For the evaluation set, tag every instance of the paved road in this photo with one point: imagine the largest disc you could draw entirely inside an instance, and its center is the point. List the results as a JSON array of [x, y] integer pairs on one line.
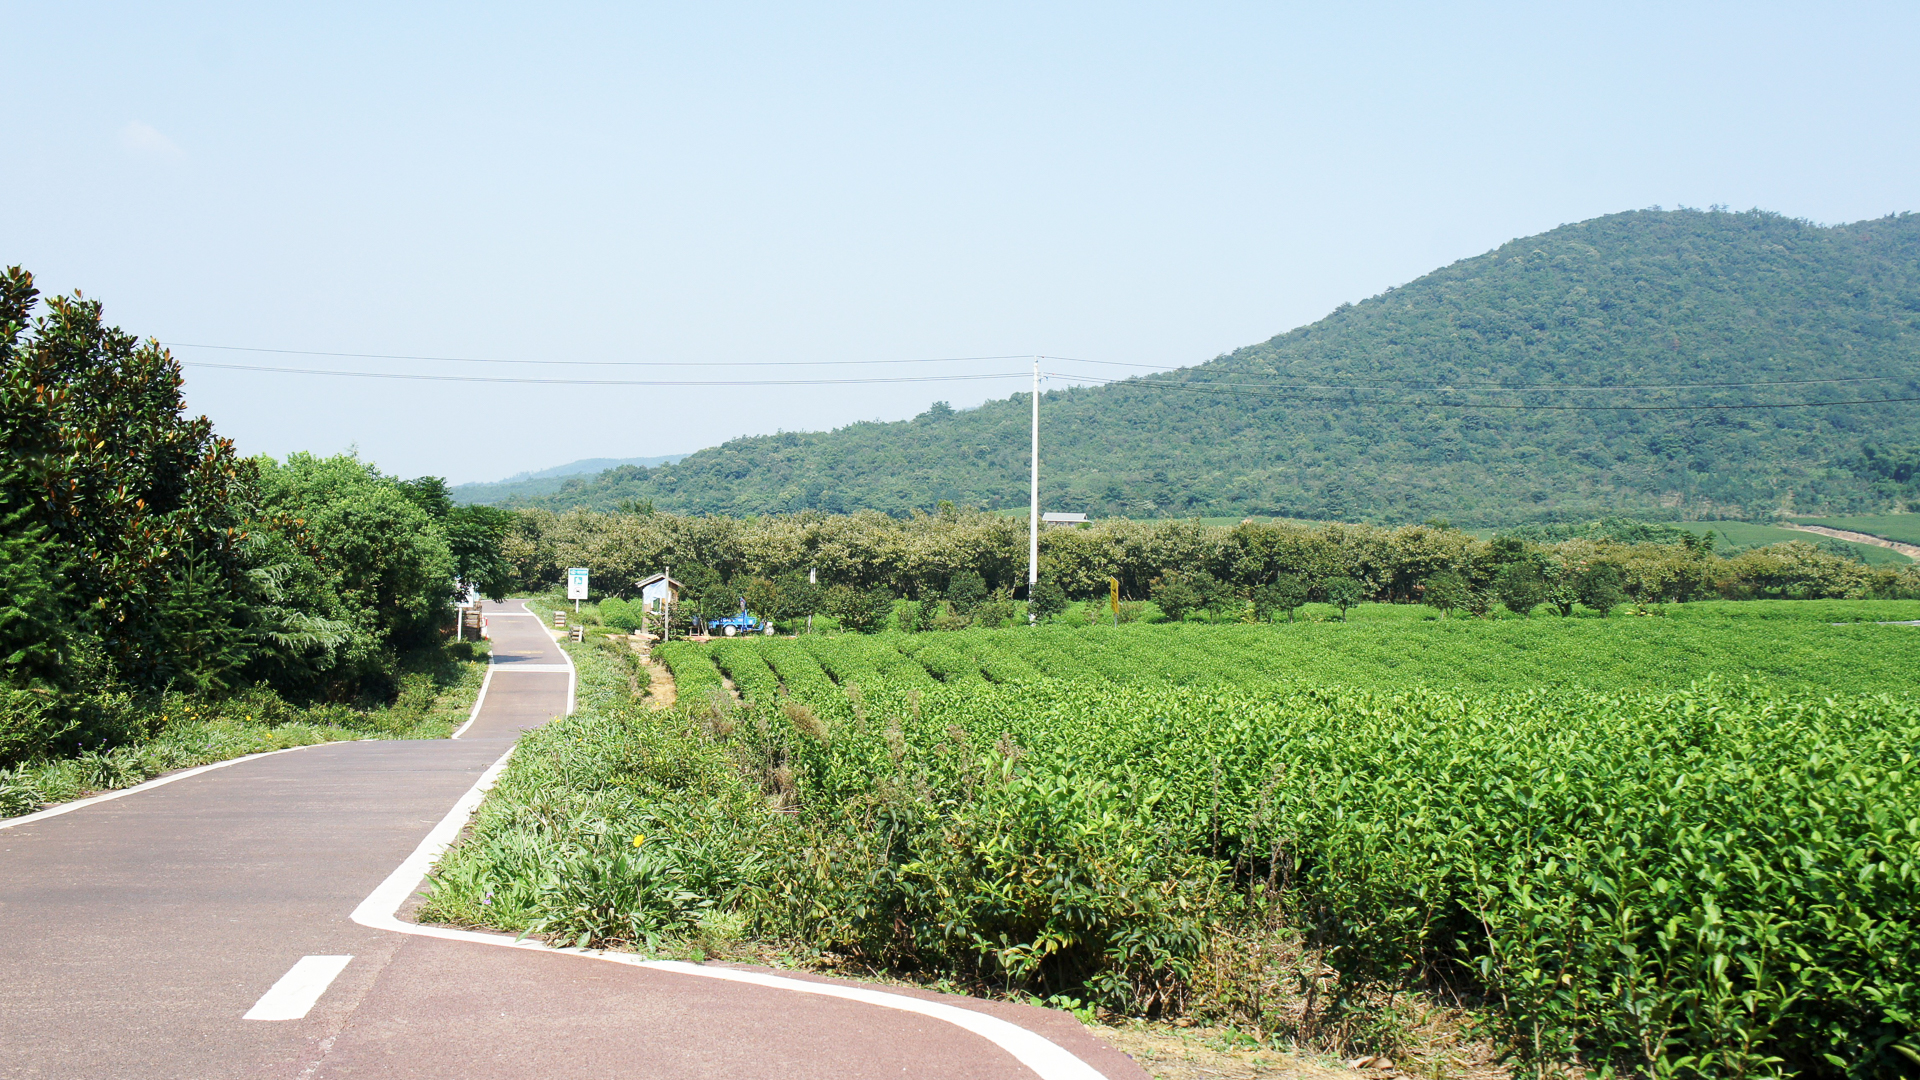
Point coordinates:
[[135, 934]]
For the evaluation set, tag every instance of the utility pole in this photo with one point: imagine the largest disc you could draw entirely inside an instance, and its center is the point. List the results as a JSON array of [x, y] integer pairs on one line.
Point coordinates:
[[1033, 501]]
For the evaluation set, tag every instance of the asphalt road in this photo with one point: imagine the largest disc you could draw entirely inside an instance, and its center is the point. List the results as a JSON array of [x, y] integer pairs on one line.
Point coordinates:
[[136, 934]]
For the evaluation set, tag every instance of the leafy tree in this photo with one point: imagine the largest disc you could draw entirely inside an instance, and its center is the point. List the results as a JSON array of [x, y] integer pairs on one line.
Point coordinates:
[[476, 536], [1285, 593], [35, 601], [1562, 587], [862, 611], [1521, 586], [385, 559], [1343, 592], [1219, 598], [1048, 600], [1176, 597], [1446, 591], [1601, 589], [105, 460]]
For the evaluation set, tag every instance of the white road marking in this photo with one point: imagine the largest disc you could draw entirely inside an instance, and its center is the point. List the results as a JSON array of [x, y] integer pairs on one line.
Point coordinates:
[[478, 698], [294, 995], [509, 666], [1048, 1059]]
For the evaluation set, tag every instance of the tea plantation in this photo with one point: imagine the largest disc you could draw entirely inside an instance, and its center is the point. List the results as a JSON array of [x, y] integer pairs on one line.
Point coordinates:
[[1680, 846]]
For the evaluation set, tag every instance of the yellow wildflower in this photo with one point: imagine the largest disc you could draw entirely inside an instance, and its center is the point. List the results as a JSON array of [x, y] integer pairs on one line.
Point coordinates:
[[638, 840]]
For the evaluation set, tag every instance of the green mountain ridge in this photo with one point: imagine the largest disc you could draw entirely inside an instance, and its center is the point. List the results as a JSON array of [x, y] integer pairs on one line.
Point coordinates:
[[546, 481], [1400, 407]]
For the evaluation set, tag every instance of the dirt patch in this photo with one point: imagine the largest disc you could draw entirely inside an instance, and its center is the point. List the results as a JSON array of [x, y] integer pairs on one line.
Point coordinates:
[[1171, 1053], [660, 688]]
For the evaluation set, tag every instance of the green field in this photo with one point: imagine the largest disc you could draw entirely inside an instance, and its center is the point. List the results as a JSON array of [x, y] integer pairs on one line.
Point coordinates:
[[1904, 528], [1603, 837], [1732, 536]]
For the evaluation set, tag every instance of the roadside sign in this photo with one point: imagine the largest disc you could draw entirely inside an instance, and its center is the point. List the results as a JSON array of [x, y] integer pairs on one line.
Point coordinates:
[[577, 583]]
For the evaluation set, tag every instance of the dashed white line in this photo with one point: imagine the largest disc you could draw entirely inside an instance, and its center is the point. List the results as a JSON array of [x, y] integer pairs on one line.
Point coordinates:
[[295, 994]]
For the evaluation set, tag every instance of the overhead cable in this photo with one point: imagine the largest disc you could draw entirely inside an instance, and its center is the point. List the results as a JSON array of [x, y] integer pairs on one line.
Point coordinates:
[[605, 382]]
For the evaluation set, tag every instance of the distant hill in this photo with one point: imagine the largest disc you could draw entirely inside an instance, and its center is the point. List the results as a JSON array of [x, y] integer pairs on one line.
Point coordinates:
[[1391, 409], [529, 485]]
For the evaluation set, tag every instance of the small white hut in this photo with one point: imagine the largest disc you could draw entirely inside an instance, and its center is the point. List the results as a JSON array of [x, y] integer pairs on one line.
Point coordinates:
[[657, 588]]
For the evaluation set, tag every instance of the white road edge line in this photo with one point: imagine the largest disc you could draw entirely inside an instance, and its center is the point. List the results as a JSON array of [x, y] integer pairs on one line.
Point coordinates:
[[477, 699], [293, 997], [162, 781], [380, 909]]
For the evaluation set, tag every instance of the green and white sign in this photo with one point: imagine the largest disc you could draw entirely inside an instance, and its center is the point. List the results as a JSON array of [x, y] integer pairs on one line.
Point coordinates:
[[577, 583]]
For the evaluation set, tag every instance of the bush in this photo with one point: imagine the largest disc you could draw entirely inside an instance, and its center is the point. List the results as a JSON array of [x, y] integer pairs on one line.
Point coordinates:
[[622, 615], [1047, 601]]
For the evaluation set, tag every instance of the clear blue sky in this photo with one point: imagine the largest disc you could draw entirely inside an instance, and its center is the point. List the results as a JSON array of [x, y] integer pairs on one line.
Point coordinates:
[[727, 183]]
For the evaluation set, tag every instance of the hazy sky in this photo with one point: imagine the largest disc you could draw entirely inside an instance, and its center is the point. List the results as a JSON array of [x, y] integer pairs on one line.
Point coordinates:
[[717, 184]]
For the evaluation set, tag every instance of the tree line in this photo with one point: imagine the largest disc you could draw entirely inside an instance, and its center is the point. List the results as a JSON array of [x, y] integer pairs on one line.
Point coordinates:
[[141, 555], [958, 560]]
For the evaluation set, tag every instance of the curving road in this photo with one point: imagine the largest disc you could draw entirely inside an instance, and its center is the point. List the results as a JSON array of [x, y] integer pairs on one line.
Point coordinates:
[[138, 934]]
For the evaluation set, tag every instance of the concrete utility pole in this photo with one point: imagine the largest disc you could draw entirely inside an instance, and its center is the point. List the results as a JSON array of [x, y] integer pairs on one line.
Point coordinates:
[[1033, 501]]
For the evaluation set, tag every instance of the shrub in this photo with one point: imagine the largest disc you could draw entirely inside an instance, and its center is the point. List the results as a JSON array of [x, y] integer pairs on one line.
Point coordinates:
[[1047, 601]]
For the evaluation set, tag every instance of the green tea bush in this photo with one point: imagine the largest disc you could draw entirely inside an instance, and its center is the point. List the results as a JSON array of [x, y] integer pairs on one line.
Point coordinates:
[[1713, 880], [622, 615]]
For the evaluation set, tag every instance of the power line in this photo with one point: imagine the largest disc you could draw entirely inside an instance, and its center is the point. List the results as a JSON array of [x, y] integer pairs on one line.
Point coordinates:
[[592, 363], [1538, 387], [603, 382], [1377, 384], [1190, 388]]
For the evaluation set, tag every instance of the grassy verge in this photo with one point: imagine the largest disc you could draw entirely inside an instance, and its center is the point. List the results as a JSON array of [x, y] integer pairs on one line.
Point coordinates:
[[437, 691]]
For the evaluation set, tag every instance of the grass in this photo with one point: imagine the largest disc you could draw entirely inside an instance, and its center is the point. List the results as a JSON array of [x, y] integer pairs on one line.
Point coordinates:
[[436, 692], [1903, 528]]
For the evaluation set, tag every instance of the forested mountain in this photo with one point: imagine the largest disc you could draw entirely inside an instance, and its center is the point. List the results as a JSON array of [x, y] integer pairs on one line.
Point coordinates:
[[1489, 392]]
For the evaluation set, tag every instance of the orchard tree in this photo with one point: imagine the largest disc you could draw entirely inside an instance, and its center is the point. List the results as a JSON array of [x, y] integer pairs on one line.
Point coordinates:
[[1601, 589], [1047, 601], [1446, 591], [1175, 596], [1520, 586], [1286, 592], [1343, 592], [863, 611]]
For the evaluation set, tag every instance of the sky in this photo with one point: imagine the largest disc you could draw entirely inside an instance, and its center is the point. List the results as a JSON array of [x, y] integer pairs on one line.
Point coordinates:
[[721, 185]]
